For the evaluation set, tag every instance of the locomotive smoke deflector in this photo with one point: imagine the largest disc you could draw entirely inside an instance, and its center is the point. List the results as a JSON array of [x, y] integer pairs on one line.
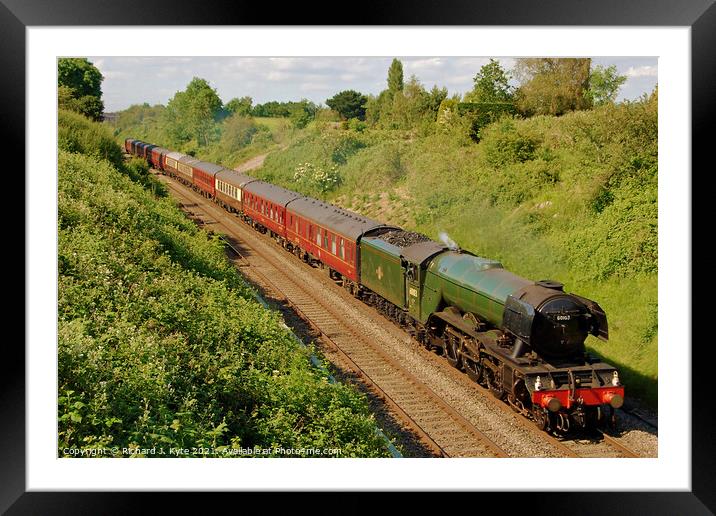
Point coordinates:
[[599, 327]]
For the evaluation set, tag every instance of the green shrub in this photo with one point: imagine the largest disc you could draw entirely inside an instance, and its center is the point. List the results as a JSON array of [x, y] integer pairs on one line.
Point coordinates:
[[502, 144], [357, 125], [76, 133], [622, 239], [345, 147]]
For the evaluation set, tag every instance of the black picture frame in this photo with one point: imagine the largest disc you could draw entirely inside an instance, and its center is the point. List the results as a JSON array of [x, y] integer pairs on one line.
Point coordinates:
[[699, 15]]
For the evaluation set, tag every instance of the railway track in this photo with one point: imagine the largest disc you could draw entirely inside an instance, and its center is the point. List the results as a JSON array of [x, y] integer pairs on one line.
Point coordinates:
[[433, 420]]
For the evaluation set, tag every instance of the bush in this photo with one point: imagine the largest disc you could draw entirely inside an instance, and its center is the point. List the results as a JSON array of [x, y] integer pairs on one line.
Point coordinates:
[[620, 240], [503, 144], [345, 147], [238, 132], [75, 133], [357, 125]]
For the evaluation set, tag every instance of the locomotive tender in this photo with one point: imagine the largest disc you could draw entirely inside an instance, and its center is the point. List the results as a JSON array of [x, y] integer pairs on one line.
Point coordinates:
[[524, 340]]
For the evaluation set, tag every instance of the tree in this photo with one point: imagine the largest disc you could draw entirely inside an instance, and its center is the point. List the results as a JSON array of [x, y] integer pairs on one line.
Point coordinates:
[[237, 133], [240, 106], [66, 98], [435, 98], [192, 113], [79, 87], [395, 77], [376, 106], [552, 86], [491, 85], [490, 98], [349, 104], [604, 84]]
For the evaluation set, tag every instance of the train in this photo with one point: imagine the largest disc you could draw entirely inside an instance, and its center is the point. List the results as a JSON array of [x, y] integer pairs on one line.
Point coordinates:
[[523, 340]]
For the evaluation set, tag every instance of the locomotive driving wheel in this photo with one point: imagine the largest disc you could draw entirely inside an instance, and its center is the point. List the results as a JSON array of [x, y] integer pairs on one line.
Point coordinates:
[[494, 383], [452, 353], [472, 365]]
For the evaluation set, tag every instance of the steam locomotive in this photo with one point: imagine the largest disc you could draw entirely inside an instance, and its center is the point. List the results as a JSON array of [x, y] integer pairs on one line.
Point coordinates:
[[521, 339]]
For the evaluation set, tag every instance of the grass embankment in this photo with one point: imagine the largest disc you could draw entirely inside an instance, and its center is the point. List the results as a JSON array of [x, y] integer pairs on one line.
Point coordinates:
[[161, 343], [572, 198]]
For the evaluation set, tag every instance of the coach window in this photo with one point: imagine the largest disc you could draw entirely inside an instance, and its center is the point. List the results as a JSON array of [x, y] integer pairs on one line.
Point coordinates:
[[333, 244], [342, 250]]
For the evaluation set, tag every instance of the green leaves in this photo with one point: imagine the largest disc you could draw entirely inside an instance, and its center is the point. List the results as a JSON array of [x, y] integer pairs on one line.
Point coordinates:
[[192, 113], [491, 85], [604, 84], [79, 87], [349, 103]]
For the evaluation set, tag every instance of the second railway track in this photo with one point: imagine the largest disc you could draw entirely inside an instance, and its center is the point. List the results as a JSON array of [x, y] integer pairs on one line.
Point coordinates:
[[440, 427]]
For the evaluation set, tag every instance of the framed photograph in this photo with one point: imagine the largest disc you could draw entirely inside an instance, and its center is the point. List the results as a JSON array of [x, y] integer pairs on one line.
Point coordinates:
[[676, 41]]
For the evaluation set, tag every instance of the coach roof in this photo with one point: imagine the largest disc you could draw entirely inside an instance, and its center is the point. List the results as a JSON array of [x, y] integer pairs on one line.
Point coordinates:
[[188, 160], [209, 168], [331, 217], [271, 192], [176, 155], [234, 178]]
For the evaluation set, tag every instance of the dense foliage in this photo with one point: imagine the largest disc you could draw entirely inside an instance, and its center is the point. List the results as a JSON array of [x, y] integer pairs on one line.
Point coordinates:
[[349, 104], [552, 86], [79, 85], [604, 84], [162, 344], [191, 114]]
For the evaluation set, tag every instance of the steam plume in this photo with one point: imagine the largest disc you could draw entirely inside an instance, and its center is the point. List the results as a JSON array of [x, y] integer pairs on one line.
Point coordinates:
[[445, 239]]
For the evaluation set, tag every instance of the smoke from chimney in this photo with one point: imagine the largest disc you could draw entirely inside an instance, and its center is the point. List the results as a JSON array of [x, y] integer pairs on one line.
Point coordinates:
[[445, 239]]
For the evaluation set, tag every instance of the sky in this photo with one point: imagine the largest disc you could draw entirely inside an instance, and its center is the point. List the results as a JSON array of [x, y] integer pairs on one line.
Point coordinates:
[[135, 80]]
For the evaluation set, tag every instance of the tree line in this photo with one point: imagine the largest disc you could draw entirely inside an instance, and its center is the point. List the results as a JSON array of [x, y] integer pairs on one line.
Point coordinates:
[[546, 86]]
